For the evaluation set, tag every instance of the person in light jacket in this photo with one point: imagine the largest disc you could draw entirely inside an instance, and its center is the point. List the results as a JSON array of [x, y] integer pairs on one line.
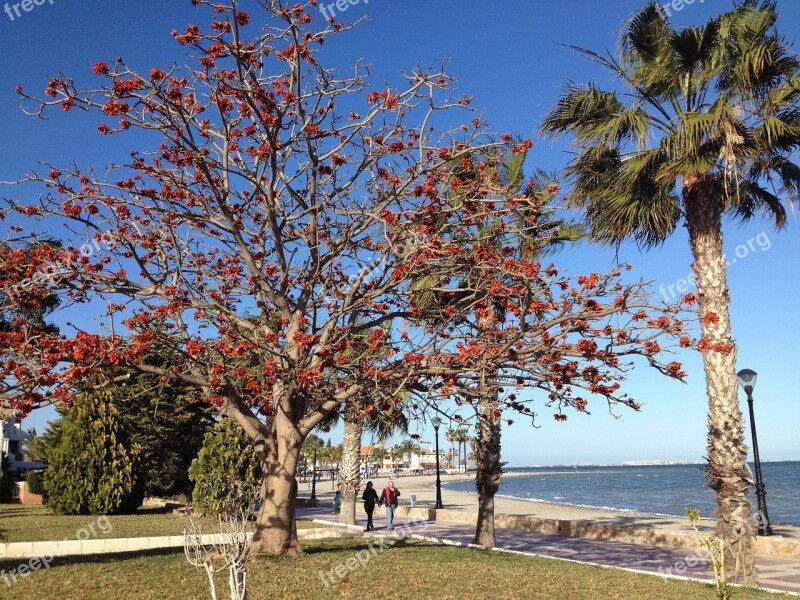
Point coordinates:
[[389, 499]]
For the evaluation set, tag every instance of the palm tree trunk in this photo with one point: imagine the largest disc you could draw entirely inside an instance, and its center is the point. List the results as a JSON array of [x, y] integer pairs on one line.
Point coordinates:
[[350, 467], [727, 452], [487, 466]]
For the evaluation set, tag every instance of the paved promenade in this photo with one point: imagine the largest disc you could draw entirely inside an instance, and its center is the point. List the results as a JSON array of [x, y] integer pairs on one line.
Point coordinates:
[[772, 573]]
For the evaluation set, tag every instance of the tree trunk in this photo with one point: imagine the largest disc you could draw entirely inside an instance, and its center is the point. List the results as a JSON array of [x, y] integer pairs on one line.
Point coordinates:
[[350, 466], [276, 529], [727, 452], [487, 459]]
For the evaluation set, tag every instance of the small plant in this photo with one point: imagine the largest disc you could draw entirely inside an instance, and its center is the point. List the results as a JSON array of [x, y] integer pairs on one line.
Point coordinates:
[[716, 550], [229, 547]]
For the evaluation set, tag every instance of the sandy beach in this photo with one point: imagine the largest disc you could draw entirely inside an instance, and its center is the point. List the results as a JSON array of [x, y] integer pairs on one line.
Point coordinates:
[[421, 486]]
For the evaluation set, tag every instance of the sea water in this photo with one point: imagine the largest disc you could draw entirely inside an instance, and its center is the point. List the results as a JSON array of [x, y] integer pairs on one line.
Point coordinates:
[[652, 490]]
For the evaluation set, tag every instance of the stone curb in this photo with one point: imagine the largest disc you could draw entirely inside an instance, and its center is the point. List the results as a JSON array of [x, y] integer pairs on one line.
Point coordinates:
[[773, 546]]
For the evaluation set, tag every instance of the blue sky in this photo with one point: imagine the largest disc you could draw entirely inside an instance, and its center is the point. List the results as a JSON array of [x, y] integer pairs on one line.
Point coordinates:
[[506, 56]]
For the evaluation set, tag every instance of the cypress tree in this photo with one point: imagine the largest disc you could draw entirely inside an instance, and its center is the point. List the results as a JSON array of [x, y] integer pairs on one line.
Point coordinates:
[[93, 470]]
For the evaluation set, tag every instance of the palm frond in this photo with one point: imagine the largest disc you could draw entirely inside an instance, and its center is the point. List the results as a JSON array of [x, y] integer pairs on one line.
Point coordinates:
[[584, 112]]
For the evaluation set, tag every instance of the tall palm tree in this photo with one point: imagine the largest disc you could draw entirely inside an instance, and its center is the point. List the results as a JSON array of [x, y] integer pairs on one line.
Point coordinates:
[[704, 127], [356, 421], [379, 453], [406, 449], [450, 435], [530, 231], [32, 446], [462, 437]]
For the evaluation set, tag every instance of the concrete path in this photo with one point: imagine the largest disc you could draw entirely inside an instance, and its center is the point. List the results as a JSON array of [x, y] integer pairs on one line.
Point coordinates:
[[772, 573]]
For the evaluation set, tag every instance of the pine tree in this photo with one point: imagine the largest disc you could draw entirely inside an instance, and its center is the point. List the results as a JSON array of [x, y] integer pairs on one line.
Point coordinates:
[[226, 471], [93, 470]]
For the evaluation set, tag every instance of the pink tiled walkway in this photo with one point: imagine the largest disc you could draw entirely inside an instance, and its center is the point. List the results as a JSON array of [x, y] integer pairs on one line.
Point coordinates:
[[772, 573]]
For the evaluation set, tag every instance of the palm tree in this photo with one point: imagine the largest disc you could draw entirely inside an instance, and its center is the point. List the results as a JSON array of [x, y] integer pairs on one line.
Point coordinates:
[[356, 420], [396, 455], [462, 437], [379, 453], [704, 127], [473, 449], [533, 232], [530, 230], [450, 436], [32, 446], [307, 450], [406, 449]]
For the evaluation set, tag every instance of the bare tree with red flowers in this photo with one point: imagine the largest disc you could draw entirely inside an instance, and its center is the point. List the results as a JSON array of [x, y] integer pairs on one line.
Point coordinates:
[[514, 328], [252, 241], [272, 242]]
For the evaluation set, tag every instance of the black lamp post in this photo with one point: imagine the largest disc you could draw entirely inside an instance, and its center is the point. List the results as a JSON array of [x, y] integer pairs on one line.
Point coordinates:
[[747, 379], [436, 422], [314, 476]]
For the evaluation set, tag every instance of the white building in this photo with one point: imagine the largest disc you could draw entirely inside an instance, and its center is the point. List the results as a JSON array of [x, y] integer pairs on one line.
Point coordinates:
[[12, 438]]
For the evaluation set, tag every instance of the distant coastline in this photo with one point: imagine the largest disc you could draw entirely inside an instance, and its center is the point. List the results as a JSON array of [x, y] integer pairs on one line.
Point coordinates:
[[634, 463]]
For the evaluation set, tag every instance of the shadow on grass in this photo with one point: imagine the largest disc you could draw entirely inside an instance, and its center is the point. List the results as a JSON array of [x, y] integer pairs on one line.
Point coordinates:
[[329, 546], [22, 513], [154, 510], [320, 547]]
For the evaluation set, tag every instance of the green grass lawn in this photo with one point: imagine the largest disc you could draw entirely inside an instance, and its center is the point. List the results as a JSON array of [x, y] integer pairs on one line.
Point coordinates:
[[27, 523], [410, 569]]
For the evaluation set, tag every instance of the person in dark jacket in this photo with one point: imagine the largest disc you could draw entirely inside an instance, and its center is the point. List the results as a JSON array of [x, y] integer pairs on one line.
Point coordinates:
[[370, 498], [389, 499]]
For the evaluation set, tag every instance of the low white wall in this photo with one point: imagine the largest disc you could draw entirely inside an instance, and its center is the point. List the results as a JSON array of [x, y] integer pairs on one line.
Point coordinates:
[[115, 545]]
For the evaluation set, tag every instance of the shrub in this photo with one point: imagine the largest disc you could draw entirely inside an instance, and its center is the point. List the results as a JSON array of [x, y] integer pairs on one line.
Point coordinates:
[[35, 481], [226, 471], [93, 470]]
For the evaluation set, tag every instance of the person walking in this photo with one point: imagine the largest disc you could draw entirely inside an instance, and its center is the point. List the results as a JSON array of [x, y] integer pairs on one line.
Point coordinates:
[[370, 498], [389, 499]]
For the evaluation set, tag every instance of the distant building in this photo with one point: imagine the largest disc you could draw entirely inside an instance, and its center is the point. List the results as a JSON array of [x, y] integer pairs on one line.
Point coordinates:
[[646, 463], [12, 439]]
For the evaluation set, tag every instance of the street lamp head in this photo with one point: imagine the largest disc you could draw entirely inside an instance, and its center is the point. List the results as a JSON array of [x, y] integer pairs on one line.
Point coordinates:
[[747, 379], [436, 422]]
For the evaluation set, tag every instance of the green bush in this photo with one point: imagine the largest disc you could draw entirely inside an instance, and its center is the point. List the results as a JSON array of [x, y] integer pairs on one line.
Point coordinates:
[[35, 481], [93, 470], [226, 471]]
